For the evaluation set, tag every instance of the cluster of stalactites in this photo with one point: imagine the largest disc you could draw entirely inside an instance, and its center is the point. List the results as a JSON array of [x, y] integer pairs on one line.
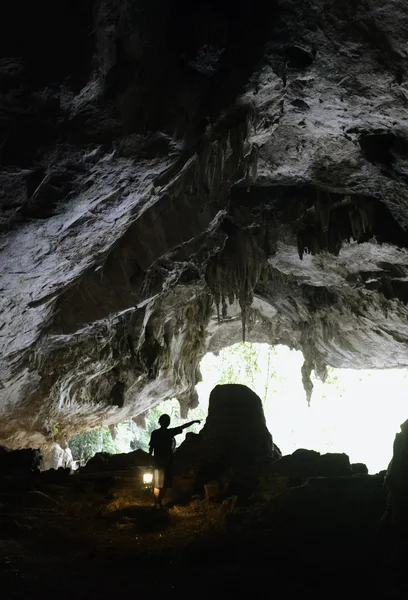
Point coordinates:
[[310, 366], [234, 273], [326, 224]]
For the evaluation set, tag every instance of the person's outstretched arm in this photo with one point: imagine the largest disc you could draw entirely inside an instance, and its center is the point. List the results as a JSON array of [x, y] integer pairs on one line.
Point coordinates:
[[190, 423]]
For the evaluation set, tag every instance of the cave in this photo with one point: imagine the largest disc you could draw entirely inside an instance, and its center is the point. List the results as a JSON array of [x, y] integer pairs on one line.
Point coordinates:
[[175, 178]]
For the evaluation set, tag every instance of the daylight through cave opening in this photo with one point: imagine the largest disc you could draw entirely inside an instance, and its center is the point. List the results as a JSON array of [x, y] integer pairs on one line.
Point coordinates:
[[352, 411], [347, 412]]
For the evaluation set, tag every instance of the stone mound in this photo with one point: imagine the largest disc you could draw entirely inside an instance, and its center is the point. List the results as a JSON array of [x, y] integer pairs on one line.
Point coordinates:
[[302, 464], [234, 446]]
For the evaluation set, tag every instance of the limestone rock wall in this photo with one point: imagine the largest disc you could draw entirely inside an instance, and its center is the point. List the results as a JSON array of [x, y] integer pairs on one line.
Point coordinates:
[[173, 179]]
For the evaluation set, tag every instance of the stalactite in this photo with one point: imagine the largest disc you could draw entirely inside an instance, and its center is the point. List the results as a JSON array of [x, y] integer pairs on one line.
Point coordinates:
[[251, 160], [306, 371], [234, 274], [355, 222], [328, 223], [323, 207], [300, 244], [113, 431], [320, 369], [140, 420], [202, 167]]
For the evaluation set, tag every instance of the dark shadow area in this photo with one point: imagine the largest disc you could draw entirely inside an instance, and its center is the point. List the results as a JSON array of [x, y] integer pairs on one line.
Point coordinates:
[[55, 41], [320, 219], [388, 151], [308, 524], [139, 518]]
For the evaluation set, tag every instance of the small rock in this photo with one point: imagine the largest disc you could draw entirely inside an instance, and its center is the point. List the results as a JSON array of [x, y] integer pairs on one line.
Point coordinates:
[[75, 509], [359, 469], [11, 529], [228, 505], [35, 499], [83, 487], [53, 490], [212, 491]]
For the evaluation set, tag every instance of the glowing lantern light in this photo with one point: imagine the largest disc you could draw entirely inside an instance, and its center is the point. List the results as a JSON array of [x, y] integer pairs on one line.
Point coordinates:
[[147, 478]]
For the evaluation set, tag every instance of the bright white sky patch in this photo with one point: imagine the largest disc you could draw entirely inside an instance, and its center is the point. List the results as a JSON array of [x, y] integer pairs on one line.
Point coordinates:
[[356, 412]]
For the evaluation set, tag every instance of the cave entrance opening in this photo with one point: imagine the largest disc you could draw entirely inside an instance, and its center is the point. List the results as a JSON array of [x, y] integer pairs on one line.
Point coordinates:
[[354, 411]]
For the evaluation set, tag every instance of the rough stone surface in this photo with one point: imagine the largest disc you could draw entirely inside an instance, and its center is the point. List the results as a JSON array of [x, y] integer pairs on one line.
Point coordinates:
[[233, 448], [104, 461], [393, 529], [359, 469], [348, 508], [162, 196], [58, 457], [303, 464], [20, 462], [36, 499], [394, 525]]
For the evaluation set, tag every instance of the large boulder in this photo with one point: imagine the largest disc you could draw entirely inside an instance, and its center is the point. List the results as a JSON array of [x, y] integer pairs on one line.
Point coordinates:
[[104, 461], [302, 464], [233, 448], [397, 474], [394, 524], [20, 462]]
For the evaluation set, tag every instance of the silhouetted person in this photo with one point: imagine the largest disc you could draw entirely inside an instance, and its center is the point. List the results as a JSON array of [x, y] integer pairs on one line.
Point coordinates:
[[162, 444]]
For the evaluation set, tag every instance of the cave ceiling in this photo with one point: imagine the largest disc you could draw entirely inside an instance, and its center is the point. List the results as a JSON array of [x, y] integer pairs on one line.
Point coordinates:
[[175, 177]]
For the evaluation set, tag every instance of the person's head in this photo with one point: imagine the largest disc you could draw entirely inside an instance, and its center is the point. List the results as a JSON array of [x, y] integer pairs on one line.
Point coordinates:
[[164, 421]]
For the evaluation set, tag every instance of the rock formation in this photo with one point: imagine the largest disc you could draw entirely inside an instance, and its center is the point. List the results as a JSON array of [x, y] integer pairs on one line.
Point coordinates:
[[20, 462], [233, 448], [58, 457], [394, 525], [303, 464], [104, 461], [175, 177]]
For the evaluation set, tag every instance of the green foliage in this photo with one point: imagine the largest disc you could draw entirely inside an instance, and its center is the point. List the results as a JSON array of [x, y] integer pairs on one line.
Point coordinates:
[[239, 364], [251, 365], [332, 379], [85, 445], [128, 437], [331, 375], [274, 374]]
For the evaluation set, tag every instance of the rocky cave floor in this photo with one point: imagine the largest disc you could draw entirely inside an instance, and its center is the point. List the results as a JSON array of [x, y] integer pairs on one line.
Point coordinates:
[[66, 537]]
